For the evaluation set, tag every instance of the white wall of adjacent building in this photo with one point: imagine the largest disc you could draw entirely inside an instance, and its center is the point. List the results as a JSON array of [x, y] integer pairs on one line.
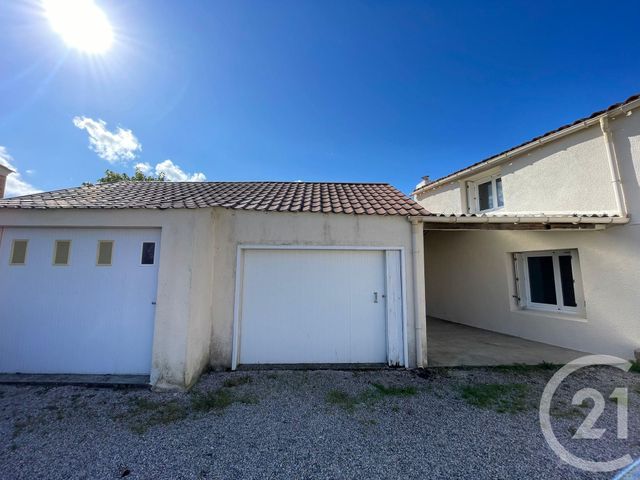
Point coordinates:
[[470, 277], [569, 175]]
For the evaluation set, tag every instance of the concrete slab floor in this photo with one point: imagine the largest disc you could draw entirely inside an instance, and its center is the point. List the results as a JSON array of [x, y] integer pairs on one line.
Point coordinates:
[[452, 344], [114, 381]]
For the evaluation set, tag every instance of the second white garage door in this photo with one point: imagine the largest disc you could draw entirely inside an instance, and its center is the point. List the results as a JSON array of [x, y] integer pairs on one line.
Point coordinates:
[[314, 306]]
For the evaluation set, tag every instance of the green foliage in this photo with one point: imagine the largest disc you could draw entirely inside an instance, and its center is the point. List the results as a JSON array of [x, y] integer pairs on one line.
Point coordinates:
[[148, 413], [367, 397], [635, 367], [525, 369], [236, 381], [502, 398], [383, 390], [218, 400], [112, 177]]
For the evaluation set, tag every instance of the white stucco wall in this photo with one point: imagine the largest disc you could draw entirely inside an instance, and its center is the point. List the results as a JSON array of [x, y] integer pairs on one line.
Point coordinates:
[[566, 176], [183, 312], [470, 280], [196, 277], [234, 227]]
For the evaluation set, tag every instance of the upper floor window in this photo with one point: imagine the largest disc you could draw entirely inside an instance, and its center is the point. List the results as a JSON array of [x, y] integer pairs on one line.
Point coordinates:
[[489, 194]]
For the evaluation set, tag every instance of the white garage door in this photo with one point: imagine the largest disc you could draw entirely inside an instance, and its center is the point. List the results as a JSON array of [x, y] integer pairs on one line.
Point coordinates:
[[318, 306], [81, 307]]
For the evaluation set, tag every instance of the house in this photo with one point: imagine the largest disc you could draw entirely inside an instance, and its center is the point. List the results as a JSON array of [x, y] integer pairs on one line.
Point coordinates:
[[542, 241], [166, 279]]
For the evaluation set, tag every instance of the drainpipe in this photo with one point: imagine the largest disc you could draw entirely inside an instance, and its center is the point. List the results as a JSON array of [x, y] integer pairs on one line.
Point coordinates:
[[614, 168], [419, 313]]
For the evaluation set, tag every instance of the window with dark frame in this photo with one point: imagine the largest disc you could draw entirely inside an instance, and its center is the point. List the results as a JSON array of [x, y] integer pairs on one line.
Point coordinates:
[[148, 253]]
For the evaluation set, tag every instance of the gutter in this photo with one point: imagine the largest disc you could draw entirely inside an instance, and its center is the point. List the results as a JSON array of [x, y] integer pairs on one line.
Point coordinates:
[[524, 219], [614, 168], [622, 109]]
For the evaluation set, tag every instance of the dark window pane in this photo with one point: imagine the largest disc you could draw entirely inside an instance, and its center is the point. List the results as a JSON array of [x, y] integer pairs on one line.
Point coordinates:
[[541, 280], [566, 279], [485, 196], [148, 253], [499, 192]]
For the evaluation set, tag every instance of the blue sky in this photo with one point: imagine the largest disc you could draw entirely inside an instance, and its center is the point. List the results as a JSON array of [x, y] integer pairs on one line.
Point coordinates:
[[298, 90]]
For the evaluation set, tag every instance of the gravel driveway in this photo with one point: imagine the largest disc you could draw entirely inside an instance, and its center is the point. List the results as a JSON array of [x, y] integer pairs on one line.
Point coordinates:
[[445, 423]]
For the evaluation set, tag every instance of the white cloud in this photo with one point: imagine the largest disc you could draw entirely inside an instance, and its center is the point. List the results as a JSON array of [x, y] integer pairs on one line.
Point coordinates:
[[118, 146], [143, 167], [16, 186], [174, 173]]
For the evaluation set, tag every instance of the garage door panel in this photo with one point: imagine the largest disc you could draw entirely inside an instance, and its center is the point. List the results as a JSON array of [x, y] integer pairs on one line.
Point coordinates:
[[312, 306], [80, 318]]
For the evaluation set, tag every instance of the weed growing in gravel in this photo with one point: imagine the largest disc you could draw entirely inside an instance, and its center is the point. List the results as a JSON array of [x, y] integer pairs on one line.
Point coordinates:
[[502, 398], [368, 397], [342, 399], [526, 369], [149, 413], [635, 367], [218, 400], [566, 413], [236, 381], [394, 391]]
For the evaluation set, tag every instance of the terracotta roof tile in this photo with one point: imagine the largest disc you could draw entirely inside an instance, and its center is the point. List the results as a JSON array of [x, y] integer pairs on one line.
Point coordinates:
[[352, 198]]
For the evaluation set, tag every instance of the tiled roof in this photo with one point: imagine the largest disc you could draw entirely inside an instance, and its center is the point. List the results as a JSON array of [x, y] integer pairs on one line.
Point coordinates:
[[352, 198], [535, 139]]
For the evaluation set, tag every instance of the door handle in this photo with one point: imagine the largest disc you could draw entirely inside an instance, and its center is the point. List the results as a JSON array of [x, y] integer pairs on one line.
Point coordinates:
[[375, 297]]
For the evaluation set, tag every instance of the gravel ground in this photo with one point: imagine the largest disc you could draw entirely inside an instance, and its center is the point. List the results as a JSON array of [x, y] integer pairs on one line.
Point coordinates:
[[311, 424]]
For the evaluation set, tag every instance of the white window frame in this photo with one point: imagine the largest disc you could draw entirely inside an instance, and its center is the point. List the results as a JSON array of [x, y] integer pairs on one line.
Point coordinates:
[[523, 286], [475, 184]]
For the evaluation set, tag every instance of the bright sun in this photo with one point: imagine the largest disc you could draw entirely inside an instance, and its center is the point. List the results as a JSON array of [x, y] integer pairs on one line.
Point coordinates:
[[80, 23]]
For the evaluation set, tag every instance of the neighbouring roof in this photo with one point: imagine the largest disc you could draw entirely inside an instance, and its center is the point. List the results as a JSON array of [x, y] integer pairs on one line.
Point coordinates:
[[351, 198], [535, 139]]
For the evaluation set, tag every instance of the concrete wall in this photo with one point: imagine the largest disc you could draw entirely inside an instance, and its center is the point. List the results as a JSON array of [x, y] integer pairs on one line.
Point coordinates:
[[196, 277], [470, 280], [234, 227], [569, 175], [469, 274], [183, 312]]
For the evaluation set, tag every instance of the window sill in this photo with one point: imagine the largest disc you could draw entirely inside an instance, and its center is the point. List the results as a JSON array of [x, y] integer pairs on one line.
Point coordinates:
[[573, 317]]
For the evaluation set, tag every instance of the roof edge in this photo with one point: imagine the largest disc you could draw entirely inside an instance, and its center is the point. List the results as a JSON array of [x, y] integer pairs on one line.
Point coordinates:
[[630, 104]]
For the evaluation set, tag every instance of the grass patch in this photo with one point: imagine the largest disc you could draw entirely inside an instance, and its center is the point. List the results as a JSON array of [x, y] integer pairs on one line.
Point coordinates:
[[149, 413], [525, 369], [218, 400], [342, 399], [374, 394], [394, 391], [635, 367], [237, 381], [502, 398]]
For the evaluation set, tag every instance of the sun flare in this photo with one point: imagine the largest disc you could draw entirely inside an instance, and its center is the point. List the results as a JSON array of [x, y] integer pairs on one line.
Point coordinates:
[[81, 24]]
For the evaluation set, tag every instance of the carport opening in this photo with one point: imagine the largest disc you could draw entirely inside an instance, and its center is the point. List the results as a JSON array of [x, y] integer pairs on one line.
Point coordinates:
[[452, 344]]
